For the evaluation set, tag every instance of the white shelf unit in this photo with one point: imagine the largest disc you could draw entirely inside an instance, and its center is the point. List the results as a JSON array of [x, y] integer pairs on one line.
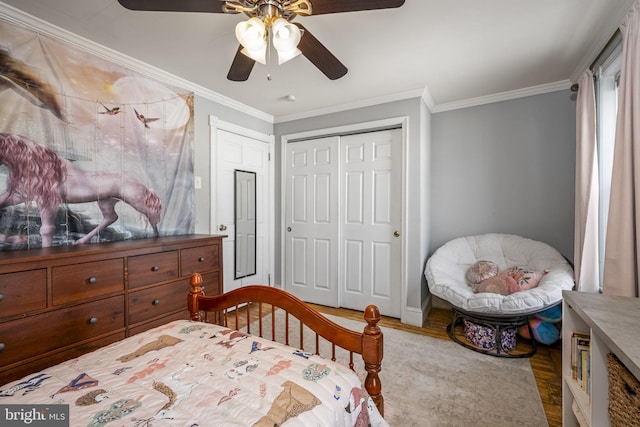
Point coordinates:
[[611, 323]]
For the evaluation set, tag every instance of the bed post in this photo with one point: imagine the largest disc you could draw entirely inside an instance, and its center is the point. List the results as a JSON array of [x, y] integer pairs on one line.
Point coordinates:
[[372, 354], [192, 298]]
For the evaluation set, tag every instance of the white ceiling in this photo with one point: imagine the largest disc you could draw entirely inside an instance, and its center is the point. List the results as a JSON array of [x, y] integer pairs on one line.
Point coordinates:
[[451, 52]]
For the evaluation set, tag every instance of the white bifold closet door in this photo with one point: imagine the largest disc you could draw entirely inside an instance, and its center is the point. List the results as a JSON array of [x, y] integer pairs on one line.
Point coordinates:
[[311, 234], [343, 220]]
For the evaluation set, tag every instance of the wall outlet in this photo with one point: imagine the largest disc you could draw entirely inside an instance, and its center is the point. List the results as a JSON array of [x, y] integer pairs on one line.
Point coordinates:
[[198, 182]]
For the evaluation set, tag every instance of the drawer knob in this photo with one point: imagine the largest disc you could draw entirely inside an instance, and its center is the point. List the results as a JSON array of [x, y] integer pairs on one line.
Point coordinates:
[[93, 320], [2, 346], [156, 302], [1, 297], [92, 280], [201, 259], [155, 268]]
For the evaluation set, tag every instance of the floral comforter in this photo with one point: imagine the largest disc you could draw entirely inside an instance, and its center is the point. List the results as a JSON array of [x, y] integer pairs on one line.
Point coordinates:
[[197, 374]]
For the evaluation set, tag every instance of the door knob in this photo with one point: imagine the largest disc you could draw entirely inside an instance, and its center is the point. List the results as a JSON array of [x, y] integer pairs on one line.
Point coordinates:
[[396, 233], [222, 227]]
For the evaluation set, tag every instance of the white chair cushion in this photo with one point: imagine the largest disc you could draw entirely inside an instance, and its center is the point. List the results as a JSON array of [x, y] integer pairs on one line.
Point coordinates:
[[446, 269]]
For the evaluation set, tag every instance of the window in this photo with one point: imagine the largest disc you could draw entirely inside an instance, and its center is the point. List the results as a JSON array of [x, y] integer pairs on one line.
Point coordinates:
[[607, 79]]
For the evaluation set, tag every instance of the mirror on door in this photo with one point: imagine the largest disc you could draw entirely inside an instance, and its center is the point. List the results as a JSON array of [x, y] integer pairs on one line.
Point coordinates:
[[245, 223]]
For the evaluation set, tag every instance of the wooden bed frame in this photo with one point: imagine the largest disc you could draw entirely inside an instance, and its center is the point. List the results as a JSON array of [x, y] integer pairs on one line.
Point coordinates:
[[225, 308]]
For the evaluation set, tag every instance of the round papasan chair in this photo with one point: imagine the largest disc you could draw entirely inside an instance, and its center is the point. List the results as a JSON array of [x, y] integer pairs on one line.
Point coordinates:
[[491, 313]]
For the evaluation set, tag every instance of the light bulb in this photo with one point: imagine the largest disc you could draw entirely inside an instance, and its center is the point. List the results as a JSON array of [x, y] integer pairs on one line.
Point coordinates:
[[251, 35], [286, 37], [284, 33]]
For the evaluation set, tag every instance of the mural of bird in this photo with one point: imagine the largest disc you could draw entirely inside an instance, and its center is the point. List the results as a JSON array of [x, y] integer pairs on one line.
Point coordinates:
[[145, 120], [110, 111], [23, 80]]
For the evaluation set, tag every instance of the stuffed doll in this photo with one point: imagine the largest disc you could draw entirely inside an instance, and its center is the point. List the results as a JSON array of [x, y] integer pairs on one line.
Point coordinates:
[[479, 271], [502, 284], [509, 281]]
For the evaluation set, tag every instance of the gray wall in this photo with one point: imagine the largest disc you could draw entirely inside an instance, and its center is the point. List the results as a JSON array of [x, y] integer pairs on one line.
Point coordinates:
[[502, 167], [505, 167]]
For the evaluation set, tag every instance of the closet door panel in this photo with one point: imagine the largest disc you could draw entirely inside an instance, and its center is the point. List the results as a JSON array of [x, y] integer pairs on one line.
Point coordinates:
[[311, 220], [371, 215]]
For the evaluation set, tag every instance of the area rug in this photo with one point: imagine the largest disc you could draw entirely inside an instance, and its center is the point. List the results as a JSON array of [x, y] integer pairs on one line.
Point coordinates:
[[431, 382]]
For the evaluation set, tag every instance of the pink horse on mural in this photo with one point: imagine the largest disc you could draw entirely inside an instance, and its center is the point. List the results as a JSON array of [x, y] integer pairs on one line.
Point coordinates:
[[37, 174]]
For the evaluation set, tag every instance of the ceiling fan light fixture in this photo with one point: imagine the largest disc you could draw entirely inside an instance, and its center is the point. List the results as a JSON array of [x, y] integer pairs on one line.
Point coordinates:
[[258, 55], [286, 37], [257, 34], [251, 35]]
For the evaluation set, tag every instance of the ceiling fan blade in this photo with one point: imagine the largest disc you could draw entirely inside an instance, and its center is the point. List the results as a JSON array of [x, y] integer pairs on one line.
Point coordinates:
[[240, 67], [211, 6], [321, 7], [320, 55]]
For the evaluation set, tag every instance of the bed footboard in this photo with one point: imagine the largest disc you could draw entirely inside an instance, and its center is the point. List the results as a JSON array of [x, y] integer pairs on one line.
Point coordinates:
[[224, 309]]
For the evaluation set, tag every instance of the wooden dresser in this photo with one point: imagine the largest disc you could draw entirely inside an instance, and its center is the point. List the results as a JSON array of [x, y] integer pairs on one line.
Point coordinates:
[[58, 303]]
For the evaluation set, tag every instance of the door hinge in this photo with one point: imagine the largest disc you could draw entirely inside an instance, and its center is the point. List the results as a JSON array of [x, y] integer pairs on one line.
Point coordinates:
[[269, 156], [269, 279]]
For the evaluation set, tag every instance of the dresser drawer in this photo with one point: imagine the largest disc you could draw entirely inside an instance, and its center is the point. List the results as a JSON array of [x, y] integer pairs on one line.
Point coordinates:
[[22, 368], [211, 284], [35, 335], [149, 303], [199, 259], [87, 280], [152, 268], [22, 292]]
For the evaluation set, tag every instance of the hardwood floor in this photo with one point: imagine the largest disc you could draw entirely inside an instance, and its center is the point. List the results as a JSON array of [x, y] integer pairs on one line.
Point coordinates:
[[546, 363]]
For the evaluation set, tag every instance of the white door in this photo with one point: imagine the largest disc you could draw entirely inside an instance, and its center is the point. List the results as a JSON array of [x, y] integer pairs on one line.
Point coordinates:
[[370, 217], [343, 220], [234, 152], [311, 216]]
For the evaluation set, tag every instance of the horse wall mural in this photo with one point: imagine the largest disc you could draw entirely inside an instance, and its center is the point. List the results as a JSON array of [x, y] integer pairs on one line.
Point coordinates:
[[79, 135], [37, 174]]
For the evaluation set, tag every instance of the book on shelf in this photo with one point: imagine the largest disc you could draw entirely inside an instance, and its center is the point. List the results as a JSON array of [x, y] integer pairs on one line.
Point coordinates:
[[585, 358], [575, 336], [581, 360]]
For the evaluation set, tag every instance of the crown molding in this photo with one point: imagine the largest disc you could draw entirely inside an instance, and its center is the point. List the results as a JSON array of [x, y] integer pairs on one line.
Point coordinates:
[[606, 30], [503, 96], [20, 18], [400, 96], [425, 95], [428, 99]]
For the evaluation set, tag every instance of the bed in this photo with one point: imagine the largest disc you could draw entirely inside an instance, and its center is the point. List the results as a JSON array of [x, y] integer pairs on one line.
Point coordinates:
[[208, 371]]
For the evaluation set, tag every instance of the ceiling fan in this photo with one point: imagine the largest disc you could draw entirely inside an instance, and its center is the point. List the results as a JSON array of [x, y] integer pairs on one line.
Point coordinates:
[[270, 22]]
